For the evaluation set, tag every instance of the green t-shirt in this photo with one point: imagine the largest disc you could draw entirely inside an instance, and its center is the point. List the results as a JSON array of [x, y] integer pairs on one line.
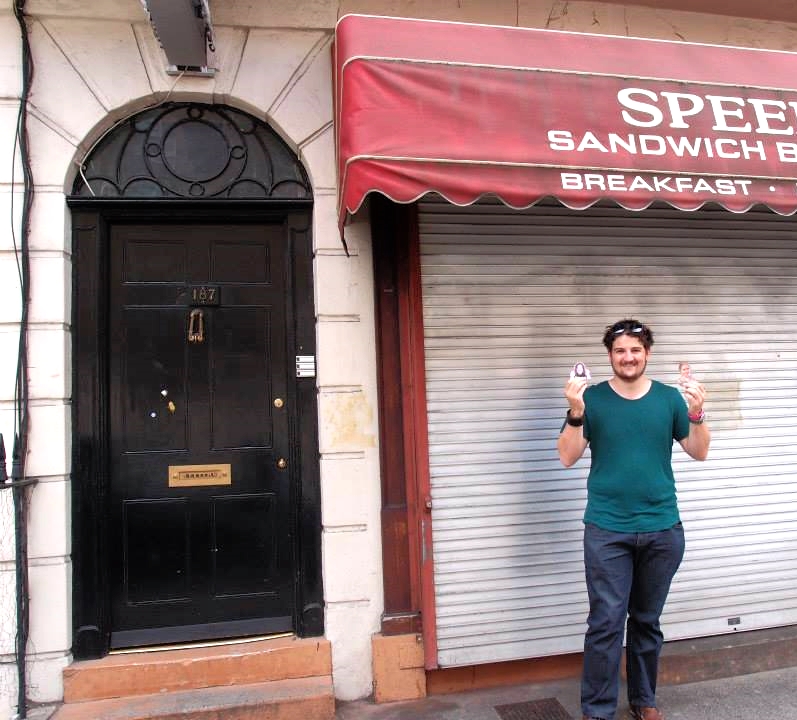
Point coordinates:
[[631, 487]]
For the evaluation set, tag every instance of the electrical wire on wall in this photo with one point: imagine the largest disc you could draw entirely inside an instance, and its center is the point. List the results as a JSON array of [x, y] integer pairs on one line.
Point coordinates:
[[19, 483]]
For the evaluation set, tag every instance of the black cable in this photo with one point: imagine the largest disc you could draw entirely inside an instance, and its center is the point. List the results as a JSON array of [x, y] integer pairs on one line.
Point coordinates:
[[21, 386], [21, 558], [22, 250]]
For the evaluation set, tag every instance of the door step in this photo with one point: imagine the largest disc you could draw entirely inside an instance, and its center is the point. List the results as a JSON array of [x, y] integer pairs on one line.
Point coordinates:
[[281, 678], [296, 699]]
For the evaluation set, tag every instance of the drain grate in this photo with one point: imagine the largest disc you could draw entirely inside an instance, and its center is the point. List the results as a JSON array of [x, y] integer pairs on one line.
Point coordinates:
[[547, 709]]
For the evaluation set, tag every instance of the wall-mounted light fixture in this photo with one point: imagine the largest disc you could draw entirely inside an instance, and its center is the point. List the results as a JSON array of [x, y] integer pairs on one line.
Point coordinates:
[[184, 32]]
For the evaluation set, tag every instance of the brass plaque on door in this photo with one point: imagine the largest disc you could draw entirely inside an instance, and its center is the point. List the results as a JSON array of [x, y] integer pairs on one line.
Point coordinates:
[[204, 295], [199, 475]]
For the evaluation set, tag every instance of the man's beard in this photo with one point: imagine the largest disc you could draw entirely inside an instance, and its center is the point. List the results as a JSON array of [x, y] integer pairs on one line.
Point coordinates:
[[630, 372]]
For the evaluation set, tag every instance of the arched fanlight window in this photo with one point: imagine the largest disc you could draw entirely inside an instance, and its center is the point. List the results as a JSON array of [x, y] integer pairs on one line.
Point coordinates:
[[193, 151]]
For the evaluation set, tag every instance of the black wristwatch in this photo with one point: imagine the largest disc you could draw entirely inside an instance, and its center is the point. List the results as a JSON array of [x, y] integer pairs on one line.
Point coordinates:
[[573, 421]]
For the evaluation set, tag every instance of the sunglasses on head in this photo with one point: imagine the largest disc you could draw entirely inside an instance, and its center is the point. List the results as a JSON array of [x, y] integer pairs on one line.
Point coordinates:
[[623, 327]]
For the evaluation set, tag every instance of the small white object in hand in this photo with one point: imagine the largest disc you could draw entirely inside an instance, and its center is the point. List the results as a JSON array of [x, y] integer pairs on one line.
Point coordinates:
[[580, 370]]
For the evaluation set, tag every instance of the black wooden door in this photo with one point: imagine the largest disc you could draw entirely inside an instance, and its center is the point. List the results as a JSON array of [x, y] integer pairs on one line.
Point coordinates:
[[200, 488]]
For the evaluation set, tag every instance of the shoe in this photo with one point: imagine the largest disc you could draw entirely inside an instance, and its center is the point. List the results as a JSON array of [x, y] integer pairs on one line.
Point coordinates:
[[645, 713]]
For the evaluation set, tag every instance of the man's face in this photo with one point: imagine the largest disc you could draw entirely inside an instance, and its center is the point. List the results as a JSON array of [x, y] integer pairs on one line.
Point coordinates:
[[628, 357]]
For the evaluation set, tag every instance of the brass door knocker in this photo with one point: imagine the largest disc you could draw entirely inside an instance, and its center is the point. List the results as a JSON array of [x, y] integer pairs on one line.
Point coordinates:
[[196, 326]]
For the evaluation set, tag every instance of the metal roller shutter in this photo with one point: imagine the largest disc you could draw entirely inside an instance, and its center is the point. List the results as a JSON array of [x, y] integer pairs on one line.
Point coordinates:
[[511, 300]]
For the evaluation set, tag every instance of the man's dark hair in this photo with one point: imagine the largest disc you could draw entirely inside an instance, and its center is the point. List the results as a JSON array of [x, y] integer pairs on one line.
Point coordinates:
[[631, 327]]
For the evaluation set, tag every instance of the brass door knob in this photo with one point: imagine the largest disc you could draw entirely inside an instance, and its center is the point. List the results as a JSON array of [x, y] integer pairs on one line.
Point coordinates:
[[278, 402], [282, 463]]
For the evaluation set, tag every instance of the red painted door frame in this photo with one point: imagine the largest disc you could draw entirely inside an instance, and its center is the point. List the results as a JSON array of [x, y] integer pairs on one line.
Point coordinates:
[[408, 575]]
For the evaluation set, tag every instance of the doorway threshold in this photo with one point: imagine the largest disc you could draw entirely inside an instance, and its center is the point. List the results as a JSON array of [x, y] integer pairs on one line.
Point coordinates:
[[203, 644]]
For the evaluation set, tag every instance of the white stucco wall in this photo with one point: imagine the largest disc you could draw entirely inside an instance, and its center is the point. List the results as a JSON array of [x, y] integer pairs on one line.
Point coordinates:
[[98, 61]]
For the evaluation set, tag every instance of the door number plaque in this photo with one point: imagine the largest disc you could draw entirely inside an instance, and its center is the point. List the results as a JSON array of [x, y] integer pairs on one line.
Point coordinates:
[[199, 475], [200, 295]]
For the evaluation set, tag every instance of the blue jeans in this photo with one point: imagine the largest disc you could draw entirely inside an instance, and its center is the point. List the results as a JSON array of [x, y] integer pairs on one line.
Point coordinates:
[[628, 578]]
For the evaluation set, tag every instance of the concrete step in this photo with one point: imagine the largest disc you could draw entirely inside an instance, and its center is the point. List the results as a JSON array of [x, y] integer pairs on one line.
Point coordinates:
[[147, 673], [294, 699], [682, 661], [722, 656]]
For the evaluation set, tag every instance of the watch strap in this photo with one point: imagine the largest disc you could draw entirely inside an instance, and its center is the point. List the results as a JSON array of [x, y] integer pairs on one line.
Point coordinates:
[[574, 421]]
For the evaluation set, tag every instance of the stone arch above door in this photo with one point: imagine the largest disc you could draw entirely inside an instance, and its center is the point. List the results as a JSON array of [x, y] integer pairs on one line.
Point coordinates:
[[234, 156]]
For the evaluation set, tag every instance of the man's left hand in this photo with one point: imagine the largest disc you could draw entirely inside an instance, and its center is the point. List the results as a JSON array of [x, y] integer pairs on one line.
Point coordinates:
[[695, 395]]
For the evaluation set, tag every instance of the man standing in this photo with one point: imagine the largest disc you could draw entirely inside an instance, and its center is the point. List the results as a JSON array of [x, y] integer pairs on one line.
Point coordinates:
[[633, 538]]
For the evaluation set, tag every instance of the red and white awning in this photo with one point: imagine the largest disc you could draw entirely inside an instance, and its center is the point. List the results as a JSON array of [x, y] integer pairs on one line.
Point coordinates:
[[470, 110]]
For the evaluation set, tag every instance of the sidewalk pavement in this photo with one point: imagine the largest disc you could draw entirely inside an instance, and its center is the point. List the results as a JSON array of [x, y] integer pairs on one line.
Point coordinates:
[[770, 695]]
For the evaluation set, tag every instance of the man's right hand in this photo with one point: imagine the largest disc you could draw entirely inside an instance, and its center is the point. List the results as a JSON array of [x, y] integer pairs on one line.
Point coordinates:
[[571, 443], [574, 392]]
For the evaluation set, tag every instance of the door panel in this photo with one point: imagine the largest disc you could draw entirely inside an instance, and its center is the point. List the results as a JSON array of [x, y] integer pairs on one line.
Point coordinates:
[[152, 364], [211, 556], [245, 561], [156, 533], [240, 409]]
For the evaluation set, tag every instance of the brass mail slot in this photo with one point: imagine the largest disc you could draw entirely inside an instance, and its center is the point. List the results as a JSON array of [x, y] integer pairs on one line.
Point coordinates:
[[199, 475]]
